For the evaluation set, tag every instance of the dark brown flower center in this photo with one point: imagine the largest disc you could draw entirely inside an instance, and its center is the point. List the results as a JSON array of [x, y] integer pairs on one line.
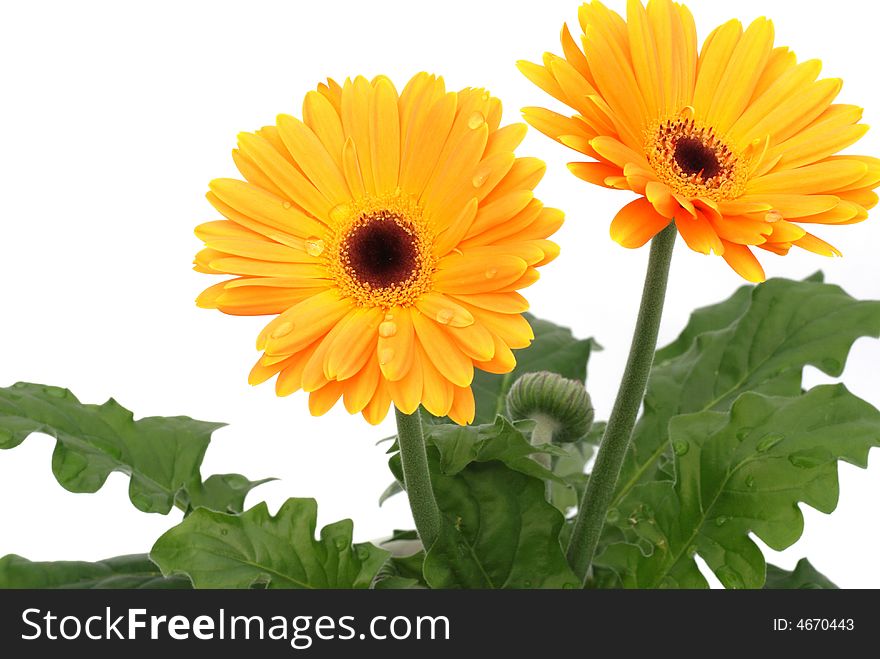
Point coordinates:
[[695, 158], [382, 251]]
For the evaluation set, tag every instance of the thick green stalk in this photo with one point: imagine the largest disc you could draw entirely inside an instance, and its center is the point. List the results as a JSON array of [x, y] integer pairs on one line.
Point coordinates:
[[416, 477], [612, 451]]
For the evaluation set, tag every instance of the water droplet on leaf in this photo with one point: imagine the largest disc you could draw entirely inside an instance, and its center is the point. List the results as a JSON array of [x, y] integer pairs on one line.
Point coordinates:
[[729, 578], [680, 447], [721, 520], [742, 433], [810, 458], [55, 392], [612, 516], [750, 481], [769, 441]]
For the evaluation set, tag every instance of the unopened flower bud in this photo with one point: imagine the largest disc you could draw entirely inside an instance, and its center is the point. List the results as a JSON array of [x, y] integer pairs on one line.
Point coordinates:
[[549, 398]]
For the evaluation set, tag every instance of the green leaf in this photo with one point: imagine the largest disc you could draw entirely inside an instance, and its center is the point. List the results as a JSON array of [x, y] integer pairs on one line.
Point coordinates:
[[739, 472], [136, 571], [218, 550], [162, 455], [460, 446], [221, 492], [498, 531], [785, 326], [707, 319], [553, 349], [570, 468], [501, 440], [804, 576]]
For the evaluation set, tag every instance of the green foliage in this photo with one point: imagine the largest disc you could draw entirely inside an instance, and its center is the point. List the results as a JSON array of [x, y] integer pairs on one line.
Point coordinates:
[[804, 576], [553, 349], [738, 472], [219, 550], [162, 455], [136, 571], [757, 343], [498, 531]]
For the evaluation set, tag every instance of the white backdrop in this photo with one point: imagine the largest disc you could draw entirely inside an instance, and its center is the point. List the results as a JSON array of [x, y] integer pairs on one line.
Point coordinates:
[[115, 117]]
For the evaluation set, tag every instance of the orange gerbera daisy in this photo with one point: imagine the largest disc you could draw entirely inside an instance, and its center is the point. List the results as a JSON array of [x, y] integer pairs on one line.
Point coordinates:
[[736, 144], [389, 235]]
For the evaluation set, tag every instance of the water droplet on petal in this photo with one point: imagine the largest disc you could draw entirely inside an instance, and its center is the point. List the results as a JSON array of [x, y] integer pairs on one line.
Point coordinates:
[[389, 316], [286, 204], [385, 356], [476, 120], [480, 176], [773, 216], [721, 520], [680, 447], [339, 213], [769, 441], [486, 96], [314, 246], [283, 329], [445, 316], [491, 272], [387, 329]]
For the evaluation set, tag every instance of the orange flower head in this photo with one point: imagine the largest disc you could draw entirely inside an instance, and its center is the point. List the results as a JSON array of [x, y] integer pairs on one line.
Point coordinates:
[[388, 234], [736, 144]]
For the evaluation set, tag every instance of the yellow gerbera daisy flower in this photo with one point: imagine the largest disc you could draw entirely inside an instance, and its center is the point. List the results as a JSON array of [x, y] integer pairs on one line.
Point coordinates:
[[736, 144], [390, 235]]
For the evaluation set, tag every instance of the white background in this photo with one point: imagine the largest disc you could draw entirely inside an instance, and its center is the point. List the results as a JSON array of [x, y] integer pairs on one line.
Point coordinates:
[[116, 115]]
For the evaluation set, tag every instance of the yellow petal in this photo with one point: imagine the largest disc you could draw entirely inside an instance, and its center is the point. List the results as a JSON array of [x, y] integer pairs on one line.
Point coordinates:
[[454, 365], [321, 400], [444, 310], [464, 273], [313, 159], [636, 223], [360, 389], [463, 409], [377, 409], [743, 262], [395, 347], [384, 135], [810, 179]]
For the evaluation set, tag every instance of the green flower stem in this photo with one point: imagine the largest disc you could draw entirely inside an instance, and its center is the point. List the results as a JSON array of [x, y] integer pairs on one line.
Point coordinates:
[[543, 434], [612, 451], [416, 477]]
